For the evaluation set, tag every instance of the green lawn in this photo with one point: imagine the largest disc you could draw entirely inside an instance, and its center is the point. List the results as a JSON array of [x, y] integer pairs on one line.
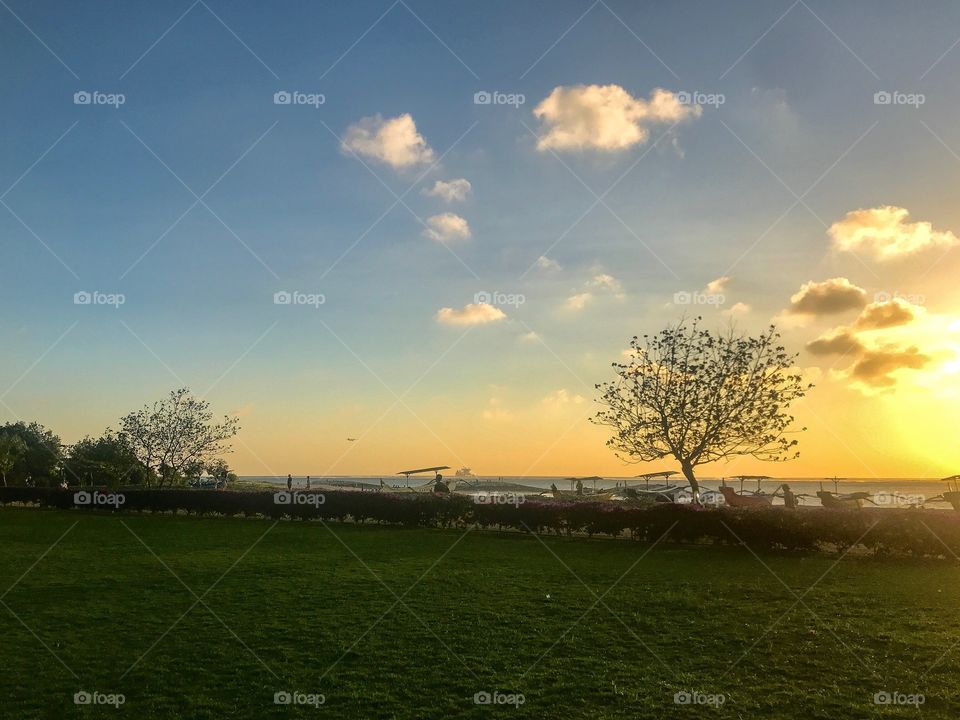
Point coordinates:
[[314, 608]]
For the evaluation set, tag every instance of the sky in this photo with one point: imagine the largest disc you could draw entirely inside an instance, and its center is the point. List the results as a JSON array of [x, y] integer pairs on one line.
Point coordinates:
[[432, 227]]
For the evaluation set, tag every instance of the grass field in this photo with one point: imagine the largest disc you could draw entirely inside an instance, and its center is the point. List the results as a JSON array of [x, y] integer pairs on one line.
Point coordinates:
[[402, 623]]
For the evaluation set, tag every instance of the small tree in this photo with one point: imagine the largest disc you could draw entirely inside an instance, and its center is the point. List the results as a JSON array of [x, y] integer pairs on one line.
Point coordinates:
[[12, 448], [701, 397], [177, 434], [107, 460]]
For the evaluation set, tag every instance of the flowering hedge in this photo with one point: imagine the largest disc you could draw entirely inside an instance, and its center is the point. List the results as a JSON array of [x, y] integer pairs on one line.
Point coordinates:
[[932, 533]]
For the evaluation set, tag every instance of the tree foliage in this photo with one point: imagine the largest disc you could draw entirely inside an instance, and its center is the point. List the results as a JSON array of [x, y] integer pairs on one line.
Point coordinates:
[[38, 460], [12, 448], [177, 435], [108, 460], [700, 397]]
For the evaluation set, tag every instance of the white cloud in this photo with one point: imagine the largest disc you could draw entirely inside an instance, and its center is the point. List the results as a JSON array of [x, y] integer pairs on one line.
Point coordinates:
[[599, 284], [886, 233], [578, 301], [605, 282], [737, 310], [472, 314], [446, 227], [450, 190], [717, 286], [605, 117], [394, 141], [530, 337], [545, 263]]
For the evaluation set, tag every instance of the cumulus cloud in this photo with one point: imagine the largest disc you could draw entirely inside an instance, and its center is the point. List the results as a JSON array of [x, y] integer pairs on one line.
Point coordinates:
[[886, 233], [875, 367], [717, 286], [603, 281], [545, 263], [879, 315], [446, 227], [605, 117], [471, 314], [392, 141], [530, 337], [599, 284], [840, 341], [829, 297], [578, 301], [450, 190], [736, 310]]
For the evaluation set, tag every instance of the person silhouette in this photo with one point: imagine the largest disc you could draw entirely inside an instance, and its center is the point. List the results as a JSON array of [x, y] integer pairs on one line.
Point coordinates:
[[289, 482], [308, 482]]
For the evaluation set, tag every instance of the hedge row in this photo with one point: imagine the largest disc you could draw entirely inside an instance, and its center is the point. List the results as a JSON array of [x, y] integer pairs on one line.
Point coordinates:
[[932, 533]]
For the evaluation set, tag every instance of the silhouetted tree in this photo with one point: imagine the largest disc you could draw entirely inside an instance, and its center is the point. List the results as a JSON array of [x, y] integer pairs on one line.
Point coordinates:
[[177, 435], [701, 397]]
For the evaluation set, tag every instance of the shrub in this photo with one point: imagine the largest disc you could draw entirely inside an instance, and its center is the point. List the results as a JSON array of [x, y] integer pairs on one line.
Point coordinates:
[[914, 532]]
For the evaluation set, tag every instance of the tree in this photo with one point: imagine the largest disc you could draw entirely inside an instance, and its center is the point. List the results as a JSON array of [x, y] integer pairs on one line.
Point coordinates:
[[12, 448], [107, 460], [220, 471], [40, 459], [177, 434], [702, 397]]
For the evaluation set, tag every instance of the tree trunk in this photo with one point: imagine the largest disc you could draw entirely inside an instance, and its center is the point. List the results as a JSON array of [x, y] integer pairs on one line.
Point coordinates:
[[694, 485]]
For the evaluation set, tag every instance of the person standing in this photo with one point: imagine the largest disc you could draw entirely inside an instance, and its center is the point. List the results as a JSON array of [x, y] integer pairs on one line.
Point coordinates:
[[308, 482], [289, 482]]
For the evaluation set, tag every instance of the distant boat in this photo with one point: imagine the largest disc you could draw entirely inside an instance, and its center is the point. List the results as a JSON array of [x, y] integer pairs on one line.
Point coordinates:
[[665, 491], [746, 498], [838, 500], [464, 472], [952, 495]]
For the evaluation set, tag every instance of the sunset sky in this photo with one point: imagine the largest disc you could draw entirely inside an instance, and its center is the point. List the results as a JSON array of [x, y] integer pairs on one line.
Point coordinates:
[[749, 162]]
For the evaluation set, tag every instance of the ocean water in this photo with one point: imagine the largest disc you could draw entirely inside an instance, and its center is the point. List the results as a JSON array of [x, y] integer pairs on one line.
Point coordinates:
[[886, 492]]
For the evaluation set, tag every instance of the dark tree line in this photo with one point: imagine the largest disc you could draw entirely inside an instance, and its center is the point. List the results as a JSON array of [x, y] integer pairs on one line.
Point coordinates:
[[163, 444]]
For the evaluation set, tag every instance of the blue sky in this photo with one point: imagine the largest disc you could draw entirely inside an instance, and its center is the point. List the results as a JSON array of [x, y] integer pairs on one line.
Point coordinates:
[[693, 205]]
